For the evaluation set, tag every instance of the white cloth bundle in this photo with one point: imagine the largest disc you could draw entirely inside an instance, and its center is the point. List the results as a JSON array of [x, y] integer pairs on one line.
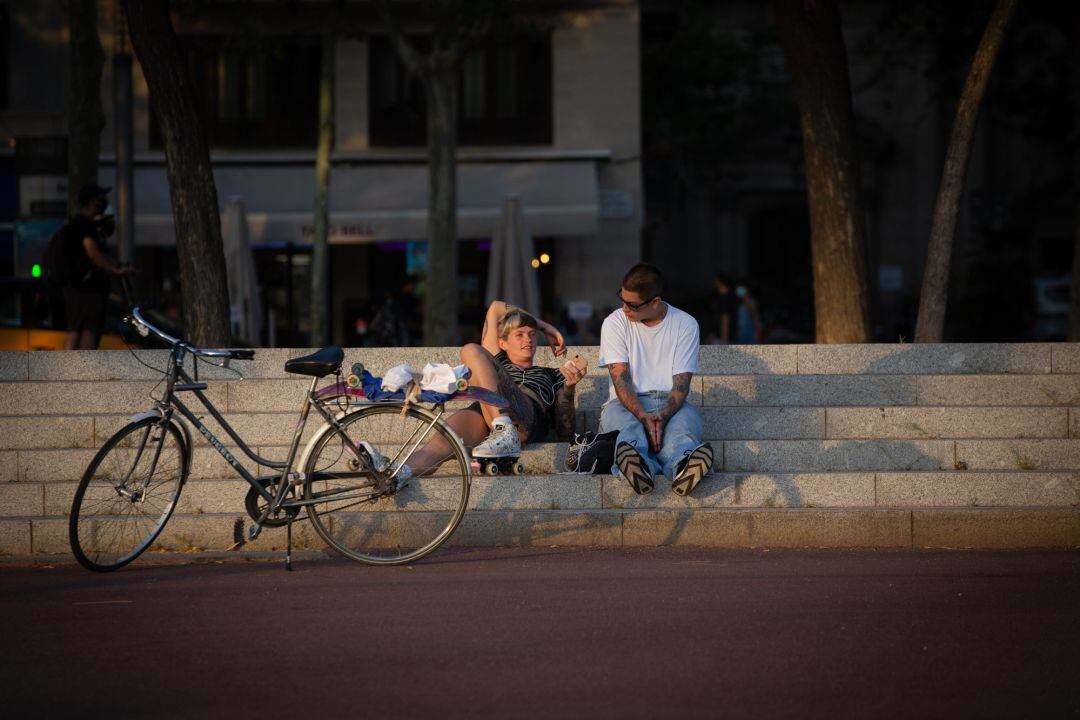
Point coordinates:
[[398, 377], [441, 378]]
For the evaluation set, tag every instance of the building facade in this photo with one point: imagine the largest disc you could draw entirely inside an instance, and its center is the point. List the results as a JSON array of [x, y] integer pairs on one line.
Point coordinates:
[[553, 118]]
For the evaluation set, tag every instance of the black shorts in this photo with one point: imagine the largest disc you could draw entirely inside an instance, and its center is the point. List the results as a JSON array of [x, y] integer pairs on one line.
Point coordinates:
[[527, 414], [85, 310]]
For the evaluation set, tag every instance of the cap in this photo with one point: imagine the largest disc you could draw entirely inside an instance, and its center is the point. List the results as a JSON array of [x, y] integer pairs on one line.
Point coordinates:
[[91, 191]]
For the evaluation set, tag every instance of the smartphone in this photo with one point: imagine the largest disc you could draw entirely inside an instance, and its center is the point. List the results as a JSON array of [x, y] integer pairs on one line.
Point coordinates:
[[578, 362]]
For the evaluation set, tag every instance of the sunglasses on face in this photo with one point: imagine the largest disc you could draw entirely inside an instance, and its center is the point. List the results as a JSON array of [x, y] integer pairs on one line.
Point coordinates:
[[633, 306]]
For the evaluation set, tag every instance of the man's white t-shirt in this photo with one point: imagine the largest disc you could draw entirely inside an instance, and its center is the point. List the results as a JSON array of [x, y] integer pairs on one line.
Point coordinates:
[[654, 353]]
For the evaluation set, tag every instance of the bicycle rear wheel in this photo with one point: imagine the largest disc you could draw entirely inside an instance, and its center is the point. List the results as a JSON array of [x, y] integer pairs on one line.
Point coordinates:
[[127, 494], [386, 528]]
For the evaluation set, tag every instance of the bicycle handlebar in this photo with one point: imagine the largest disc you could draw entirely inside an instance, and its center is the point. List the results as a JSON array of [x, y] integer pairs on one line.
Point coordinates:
[[144, 328]]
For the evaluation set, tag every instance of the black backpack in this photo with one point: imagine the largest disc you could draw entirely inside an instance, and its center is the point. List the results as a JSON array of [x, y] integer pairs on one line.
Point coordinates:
[[58, 264], [592, 453]]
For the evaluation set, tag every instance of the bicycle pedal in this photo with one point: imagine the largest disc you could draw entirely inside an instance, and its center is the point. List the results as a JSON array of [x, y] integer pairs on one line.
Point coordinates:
[[253, 532]]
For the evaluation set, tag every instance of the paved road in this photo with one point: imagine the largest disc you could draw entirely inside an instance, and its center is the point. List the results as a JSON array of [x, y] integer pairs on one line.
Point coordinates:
[[551, 633]]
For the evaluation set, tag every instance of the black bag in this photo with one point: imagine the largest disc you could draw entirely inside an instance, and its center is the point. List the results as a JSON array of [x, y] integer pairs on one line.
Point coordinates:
[[59, 265], [592, 453]]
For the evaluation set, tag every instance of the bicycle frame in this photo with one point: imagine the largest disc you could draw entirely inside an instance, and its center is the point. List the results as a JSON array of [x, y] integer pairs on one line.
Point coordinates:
[[286, 477], [323, 477]]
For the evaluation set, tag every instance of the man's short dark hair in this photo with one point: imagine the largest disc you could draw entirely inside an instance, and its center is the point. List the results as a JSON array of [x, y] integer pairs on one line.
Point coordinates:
[[644, 279], [92, 191]]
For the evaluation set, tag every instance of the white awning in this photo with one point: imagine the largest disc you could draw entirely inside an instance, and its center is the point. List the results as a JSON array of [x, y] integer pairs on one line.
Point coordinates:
[[377, 202]]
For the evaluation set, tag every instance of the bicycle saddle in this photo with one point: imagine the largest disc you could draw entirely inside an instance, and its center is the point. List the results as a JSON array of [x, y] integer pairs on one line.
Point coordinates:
[[319, 364]]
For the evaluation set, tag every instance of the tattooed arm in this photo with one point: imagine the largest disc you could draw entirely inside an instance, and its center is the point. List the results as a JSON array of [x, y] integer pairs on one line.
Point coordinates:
[[627, 394], [624, 388], [680, 388]]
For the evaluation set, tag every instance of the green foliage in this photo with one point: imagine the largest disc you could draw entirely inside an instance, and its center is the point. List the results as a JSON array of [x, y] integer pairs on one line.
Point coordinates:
[[1032, 90], [716, 96]]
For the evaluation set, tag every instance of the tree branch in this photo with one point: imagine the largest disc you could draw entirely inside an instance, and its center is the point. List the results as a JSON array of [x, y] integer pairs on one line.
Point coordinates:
[[405, 50]]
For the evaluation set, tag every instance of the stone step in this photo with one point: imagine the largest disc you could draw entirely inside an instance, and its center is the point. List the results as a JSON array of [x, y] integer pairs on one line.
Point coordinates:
[[837, 455], [1018, 454], [596, 492], [910, 425], [729, 393], [746, 456], [944, 358], [722, 528]]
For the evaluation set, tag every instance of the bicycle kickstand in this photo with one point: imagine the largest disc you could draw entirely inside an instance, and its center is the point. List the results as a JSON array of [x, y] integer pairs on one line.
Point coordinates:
[[288, 544]]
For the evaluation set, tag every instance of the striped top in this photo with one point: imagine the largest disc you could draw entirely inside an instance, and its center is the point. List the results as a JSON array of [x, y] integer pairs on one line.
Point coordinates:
[[544, 382]]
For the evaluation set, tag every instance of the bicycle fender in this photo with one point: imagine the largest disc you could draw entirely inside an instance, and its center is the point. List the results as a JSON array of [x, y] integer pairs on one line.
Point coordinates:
[[155, 413], [319, 432], [302, 462]]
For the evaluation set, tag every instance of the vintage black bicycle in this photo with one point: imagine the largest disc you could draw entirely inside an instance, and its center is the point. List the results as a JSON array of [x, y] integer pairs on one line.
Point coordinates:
[[358, 501]]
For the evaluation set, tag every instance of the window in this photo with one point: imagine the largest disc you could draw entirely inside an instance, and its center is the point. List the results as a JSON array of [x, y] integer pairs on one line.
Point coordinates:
[[5, 56], [504, 95], [250, 96]]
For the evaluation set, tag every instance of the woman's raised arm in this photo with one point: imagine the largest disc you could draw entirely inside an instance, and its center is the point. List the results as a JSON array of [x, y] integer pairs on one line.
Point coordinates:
[[490, 336]]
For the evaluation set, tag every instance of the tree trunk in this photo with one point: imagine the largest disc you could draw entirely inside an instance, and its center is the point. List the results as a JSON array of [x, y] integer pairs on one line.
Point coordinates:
[[320, 250], [935, 287], [440, 304], [816, 58], [86, 119], [191, 180]]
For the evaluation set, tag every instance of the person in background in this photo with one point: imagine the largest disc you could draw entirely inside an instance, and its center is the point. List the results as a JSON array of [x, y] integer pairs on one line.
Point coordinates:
[[91, 270], [723, 308], [748, 322]]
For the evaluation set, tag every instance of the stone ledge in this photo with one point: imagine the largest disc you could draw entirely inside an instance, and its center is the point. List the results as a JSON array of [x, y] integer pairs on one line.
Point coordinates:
[[923, 528], [14, 366], [900, 423], [996, 528], [1006, 390], [879, 359], [725, 490], [944, 358]]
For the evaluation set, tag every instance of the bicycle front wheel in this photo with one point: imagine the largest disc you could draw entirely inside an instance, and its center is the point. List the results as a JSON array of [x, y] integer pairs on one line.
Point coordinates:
[[127, 494], [387, 528]]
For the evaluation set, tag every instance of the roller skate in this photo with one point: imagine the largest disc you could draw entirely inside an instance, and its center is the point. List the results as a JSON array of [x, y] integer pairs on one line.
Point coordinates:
[[500, 454], [400, 474]]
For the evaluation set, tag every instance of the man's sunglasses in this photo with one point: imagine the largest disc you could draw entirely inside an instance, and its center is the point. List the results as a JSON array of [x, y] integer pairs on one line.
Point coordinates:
[[634, 306]]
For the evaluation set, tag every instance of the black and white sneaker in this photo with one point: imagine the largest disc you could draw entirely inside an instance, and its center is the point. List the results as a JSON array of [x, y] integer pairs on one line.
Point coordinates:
[[692, 469], [633, 468]]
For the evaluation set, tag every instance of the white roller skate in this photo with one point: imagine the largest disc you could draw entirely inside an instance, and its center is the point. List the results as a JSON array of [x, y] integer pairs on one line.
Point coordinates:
[[500, 453], [402, 474]]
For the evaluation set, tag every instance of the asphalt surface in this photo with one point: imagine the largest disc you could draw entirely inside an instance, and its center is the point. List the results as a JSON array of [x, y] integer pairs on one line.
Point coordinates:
[[608, 633]]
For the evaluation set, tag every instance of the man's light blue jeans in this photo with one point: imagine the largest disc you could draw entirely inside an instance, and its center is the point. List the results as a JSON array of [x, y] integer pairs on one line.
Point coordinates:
[[682, 434]]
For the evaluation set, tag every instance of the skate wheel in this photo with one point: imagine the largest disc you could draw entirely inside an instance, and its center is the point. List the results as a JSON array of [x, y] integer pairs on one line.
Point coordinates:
[[491, 469], [518, 469]]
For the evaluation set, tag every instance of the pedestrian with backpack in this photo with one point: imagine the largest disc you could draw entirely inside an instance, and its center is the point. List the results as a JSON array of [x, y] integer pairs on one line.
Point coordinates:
[[76, 260]]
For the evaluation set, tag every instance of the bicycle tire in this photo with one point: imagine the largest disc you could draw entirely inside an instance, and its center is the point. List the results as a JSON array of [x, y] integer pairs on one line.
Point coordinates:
[[108, 528], [390, 529]]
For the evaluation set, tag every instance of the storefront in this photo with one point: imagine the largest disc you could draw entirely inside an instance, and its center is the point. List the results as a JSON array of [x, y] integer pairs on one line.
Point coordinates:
[[377, 230]]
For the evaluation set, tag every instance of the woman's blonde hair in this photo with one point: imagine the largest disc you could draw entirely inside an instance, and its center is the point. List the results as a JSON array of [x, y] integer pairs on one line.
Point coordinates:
[[513, 320]]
